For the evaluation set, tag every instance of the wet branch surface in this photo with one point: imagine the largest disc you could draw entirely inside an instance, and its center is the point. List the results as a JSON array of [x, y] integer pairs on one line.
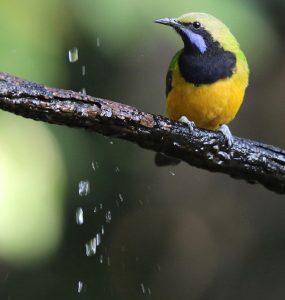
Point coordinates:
[[249, 160]]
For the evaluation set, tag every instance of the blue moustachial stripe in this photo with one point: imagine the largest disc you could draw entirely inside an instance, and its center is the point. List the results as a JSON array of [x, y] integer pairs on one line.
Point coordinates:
[[196, 39]]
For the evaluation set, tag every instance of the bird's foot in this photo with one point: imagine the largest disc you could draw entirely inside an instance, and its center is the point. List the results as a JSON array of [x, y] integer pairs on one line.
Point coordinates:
[[190, 124], [224, 129]]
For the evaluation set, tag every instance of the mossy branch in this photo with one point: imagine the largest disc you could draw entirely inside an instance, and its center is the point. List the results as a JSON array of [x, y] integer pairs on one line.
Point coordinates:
[[246, 159]]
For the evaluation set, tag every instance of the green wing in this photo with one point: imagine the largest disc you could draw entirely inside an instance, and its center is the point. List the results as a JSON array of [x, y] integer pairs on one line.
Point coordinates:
[[169, 73]]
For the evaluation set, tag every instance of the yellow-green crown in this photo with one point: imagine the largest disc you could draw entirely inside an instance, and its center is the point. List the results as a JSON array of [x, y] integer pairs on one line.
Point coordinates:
[[218, 30]]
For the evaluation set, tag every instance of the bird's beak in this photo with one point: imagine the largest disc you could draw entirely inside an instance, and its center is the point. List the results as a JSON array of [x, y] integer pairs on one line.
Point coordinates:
[[169, 22]]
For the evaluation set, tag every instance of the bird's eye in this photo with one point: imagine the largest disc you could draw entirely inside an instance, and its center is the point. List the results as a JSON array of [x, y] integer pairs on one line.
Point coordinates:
[[196, 25]]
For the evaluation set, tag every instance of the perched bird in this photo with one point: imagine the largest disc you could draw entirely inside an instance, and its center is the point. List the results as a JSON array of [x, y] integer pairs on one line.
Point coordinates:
[[206, 80]]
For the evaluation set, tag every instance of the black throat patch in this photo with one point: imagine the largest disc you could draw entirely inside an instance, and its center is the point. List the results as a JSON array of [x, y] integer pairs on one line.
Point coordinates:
[[214, 64]]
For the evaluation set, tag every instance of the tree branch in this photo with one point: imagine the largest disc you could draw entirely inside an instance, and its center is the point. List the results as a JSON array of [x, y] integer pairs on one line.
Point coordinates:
[[246, 159]]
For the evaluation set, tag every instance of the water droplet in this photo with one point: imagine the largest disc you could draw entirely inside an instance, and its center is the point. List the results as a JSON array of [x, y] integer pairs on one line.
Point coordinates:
[[101, 206], [83, 70], [84, 188], [149, 291], [98, 42], [98, 239], [95, 165], [73, 55], [90, 247], [117, 170], [206, 141], [83, 92], [79, 216], [108, 216], [143, 288], [252, 157], [83, 112], [101, 259], [210, 156], [121, 197], [172, 173], [95, 209], [111, 142], [224, 155], [102, 230], [79, 286]]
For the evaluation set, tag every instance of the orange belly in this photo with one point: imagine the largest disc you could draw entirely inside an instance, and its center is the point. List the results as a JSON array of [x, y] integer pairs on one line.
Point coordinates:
[[209, 106]]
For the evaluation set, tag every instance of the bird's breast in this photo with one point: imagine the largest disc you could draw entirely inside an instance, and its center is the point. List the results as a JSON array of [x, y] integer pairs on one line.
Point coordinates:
[[208, 105]]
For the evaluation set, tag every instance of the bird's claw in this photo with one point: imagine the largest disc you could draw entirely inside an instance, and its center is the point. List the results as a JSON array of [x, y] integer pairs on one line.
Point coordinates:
[[189, 123], [224, 129]]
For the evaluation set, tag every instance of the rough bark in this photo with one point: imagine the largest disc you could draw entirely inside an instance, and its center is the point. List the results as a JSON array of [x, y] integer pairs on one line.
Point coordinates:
[[249, 160]]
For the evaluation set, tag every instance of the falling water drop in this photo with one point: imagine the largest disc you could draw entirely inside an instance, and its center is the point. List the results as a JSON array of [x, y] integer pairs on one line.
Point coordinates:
[[73, 55], [79, 286], [98, 42], [98, 239], [90, 247], [143, 288], [84, 188], [83, 92], [108, 216], [101, 259], [79, 216], [83, 70], [121, 197], [95, 165]]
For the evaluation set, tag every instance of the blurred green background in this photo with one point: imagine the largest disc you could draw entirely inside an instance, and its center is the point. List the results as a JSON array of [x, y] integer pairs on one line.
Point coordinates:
[[161, 233]]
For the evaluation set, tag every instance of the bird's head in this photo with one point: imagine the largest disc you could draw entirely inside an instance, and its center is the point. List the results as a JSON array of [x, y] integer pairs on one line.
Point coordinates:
[[200, 32]]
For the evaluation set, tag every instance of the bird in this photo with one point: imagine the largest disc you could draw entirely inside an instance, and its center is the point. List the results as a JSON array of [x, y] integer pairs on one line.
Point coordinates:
[[207, 78]]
